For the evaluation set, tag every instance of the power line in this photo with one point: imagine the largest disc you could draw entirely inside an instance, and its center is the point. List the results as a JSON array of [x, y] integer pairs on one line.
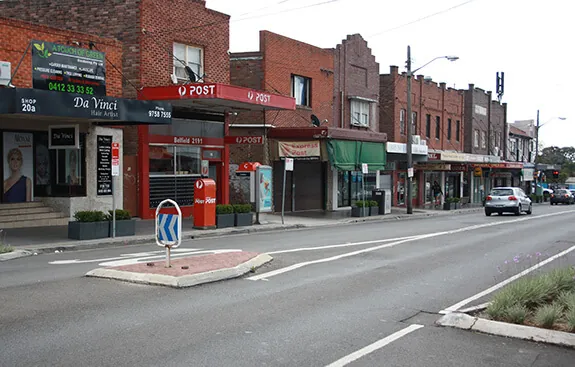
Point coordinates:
[[420, 19]]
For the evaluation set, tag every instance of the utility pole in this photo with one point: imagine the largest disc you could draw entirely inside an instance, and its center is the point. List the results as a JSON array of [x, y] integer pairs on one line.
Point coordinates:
[[409, 135], [537, 189]]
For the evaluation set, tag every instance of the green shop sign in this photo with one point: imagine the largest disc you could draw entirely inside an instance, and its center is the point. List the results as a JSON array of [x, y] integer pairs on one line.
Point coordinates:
[[68, 69]]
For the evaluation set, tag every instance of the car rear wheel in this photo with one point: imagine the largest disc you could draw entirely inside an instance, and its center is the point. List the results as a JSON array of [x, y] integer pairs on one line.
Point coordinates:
[[530, 210], [488, 212], [518, 210]]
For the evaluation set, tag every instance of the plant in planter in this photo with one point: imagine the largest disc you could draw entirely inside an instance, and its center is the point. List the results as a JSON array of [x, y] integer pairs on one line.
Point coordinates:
[[125, 225], [451, 203], [243, 215], [373, 208], [225, 216], [88, 225], [360, 209]]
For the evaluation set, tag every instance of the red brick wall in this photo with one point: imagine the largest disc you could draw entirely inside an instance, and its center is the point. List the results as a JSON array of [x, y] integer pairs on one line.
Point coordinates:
[[356, 74], [17, 34], [283, 57], [428, 97]]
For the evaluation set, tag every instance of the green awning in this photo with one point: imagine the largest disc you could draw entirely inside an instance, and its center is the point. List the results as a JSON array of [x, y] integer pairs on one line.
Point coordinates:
[[348, 155], [373, 154]]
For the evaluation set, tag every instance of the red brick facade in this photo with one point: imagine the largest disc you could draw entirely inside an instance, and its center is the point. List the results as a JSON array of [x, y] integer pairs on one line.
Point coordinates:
[[428, 98], [16, 36]]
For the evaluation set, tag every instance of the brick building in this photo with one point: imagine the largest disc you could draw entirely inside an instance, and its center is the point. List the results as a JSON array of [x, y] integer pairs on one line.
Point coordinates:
[[165, 45], [336, 92], [438, 129], [55, 119]]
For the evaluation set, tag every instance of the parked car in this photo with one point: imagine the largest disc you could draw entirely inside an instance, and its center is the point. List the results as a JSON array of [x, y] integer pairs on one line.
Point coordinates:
[[572, 192], [507, 200], [562, 196]]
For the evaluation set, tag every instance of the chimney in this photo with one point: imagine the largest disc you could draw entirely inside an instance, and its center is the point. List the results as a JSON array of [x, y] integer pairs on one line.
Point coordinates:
[[471, 86], [442, 85], [393, 70]]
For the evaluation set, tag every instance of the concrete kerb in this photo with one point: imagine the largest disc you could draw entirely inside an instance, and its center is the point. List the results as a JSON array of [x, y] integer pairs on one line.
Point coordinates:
[[16, 254], [183, 281], [466, 322]]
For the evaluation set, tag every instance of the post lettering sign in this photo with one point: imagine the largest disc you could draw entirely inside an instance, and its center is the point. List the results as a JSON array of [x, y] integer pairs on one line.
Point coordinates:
[[104, 165], [256, 140], [68, 69], [64, 137], [205, 203], [299, 149]]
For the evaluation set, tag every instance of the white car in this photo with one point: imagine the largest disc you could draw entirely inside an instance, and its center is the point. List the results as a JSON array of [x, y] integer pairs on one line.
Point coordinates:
[[507, 200]]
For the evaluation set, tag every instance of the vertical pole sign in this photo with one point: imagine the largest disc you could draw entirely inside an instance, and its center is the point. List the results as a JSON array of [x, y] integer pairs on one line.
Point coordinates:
[[364, 171], [168, 229], [263, 190], [288, 166], [115, 172]]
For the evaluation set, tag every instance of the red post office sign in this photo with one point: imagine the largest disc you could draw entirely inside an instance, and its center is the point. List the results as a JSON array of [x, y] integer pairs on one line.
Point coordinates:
[[256, 140], [205, 203]]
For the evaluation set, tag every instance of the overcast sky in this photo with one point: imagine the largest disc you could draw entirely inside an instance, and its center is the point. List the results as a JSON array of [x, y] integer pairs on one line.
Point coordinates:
[[529, 40]]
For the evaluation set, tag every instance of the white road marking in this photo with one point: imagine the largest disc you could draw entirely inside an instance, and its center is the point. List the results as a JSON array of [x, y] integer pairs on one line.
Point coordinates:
[[350, 244], [497, 286], [392, 244], [124, 262], [375, 346]]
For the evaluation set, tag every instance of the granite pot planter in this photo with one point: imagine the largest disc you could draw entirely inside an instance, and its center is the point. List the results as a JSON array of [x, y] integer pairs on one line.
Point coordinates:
[[88, 230], [225, 220], [359, 211], [123, 228], [244, 219], [373, 210]]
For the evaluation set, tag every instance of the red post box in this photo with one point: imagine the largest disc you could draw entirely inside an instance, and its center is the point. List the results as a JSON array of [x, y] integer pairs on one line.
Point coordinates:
[[205, 204]]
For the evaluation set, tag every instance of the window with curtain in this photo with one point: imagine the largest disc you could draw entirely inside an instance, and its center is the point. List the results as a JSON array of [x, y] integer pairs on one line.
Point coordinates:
[[483, 140], [457, 129], [301, 90], [448, 129], [437, 127], [360, 113], [402, 130], [414, 123], [191, 56], [476, 138], [428, 126]]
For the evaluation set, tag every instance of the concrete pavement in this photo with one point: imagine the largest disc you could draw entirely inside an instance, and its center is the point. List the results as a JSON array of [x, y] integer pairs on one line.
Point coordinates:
[[335, 291]]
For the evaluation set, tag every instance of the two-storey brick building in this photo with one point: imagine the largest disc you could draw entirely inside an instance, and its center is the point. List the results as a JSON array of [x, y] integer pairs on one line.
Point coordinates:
[[333, 129], [167, 47]]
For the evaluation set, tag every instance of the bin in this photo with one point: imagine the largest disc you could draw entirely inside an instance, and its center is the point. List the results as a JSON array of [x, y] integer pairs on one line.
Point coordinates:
[[378, 195]]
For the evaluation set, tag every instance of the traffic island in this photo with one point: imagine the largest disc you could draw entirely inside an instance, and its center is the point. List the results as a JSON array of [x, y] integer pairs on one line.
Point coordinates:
[[187, 271]]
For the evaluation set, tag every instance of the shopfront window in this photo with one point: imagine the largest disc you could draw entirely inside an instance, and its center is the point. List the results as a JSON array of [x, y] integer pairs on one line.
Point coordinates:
[[188, 161], [354, 186], [432, 187]]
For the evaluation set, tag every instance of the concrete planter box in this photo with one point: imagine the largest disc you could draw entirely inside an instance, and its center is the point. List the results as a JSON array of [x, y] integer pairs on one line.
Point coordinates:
[[451, 206], [123, 228], [88, 230], [359, 212], [244, 219], [225, 220], [373, 210]]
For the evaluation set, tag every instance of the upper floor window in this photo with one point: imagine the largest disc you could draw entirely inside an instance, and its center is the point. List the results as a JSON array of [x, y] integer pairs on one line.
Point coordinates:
[[360, 113], [483, 140], [402, 130], [428, 126], [437, 127], [476, 138], [414, 123], [448, 129], [457, 129], [300, 90], [190, 56]]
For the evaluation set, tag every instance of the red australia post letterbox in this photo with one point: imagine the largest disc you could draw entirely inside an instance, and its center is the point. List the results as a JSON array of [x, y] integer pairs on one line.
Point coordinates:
[[205, 203]]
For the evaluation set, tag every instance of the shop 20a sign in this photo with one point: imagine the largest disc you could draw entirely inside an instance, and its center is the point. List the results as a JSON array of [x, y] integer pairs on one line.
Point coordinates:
[[67, 69], [64, 137]]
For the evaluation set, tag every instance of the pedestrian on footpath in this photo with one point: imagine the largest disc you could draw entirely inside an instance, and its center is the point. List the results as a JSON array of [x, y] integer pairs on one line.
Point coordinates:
[[437, 193]]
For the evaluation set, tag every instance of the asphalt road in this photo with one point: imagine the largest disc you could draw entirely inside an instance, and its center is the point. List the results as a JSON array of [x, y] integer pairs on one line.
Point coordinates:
[[329, 293]]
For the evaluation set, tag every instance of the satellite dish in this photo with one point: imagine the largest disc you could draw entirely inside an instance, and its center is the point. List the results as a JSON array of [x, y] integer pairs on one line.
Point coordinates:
[[174, 78], [315, 121], [191, 74]]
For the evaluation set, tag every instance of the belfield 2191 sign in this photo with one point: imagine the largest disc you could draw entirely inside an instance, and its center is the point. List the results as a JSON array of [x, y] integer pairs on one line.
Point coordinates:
[[68, 69]]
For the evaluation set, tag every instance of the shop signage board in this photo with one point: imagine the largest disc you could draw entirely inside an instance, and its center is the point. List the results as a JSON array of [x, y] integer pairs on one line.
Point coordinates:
[[34, 102], [104, 165], [401, 148], [478, 172], [68, 69], [256, 140], [299, 149], [64, 137]]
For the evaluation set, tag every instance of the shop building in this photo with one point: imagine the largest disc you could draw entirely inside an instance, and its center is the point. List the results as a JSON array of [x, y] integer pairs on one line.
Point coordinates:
[[333, 130], [58, 125], [437, 124], [521, 149], [172, 51]]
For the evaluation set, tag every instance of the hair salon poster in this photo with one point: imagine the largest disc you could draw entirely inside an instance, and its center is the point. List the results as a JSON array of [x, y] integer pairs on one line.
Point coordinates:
[[18, 167]]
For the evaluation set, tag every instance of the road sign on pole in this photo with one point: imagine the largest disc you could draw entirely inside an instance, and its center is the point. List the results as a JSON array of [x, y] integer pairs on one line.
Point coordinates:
[[115, 172], [168, 228], [289, 164]]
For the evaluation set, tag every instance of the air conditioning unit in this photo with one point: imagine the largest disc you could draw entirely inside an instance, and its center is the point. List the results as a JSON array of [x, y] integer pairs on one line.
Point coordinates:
[[5, 72], [423, 142], [416, 139]]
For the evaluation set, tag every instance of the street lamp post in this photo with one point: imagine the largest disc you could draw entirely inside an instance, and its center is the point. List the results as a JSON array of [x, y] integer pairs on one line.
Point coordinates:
[[410, 125]]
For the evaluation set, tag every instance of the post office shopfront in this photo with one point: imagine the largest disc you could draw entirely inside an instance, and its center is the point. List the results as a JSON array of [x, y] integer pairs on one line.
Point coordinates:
[[59, 152]]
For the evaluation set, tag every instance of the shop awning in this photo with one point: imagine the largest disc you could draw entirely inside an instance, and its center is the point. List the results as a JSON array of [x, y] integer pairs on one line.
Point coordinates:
[[103, 109], [348, 155], [217, 97]]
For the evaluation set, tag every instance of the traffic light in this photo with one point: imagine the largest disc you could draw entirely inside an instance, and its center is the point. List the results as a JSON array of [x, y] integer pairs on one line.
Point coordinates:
[[555, 174]]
